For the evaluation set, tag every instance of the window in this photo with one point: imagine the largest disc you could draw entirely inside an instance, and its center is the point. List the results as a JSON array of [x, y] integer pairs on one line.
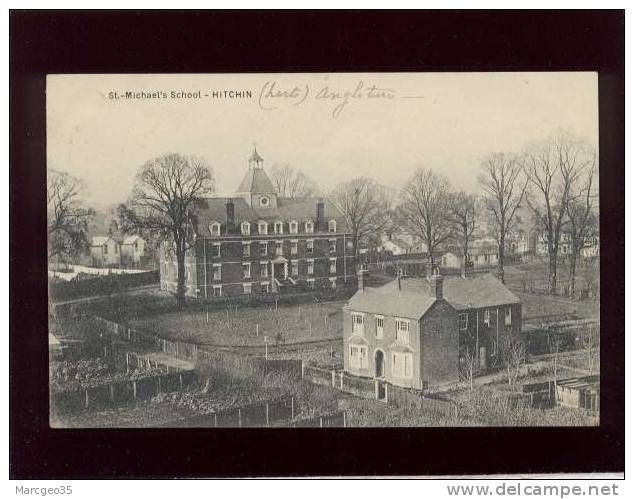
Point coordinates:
[[136, 246], [311, 283], [217, 290], [245, 228], [402, 331], [332, 245], [215, 253], [357, 323], [214, 229], [358, 357], [264, 201], [279, 248], [508, 317], [116, 248], [332, 226], [246, 270], [293, 247], [263, 248], [402, 365], [333, 265], [487, 317], [309, 227], [278, 228], [294, 267], [292, 227], [264, 269], [105, 249], [264, 286], [310, 246], [463, 321], [263, 228], [333, 282], [246, 249], [217, 272], [246, 289], [379, 320], [310, 267]]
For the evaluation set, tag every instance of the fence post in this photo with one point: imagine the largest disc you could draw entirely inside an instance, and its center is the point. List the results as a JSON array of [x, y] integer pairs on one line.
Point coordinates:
[[344, 419], [292, 407], [302, 368], [376, 389], [267, 413], [127, 363], [341, 380], [180, 379], [158, 385], [333, 378], [134, 389], [239, 418], [321, 424], [111, 392], [215, 420], [86, 400]]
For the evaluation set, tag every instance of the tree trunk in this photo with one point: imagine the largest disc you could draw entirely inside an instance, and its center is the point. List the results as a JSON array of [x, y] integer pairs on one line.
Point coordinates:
[[501, 258], [180, 289], [465, 249], [573, 271], [552, 267]]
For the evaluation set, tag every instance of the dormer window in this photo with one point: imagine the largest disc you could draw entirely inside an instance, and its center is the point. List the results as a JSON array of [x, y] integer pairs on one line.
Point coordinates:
[[214, 229], [245, 228], [264, 201], [263, 228], [309, 226], [279, 227], [292, 227], [332, 226]]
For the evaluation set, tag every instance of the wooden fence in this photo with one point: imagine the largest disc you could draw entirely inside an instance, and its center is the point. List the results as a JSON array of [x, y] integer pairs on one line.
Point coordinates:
[[335, 420], [252, 415], [121, 392]]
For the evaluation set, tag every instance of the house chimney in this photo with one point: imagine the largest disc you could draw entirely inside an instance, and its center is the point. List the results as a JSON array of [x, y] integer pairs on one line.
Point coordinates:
[[231, 216], [320, 214], [436, 286], [361, 279]]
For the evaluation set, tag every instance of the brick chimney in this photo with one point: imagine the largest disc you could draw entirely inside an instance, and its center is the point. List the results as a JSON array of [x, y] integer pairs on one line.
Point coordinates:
[[231, 217], [361, 279], [436, 286], [320, 215]]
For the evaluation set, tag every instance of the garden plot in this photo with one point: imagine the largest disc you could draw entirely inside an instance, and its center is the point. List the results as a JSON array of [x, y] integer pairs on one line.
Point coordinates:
[[249, 326]]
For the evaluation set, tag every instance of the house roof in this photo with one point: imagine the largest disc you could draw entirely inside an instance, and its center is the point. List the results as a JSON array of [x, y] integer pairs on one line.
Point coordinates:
[[398, 304], [131, 239], [483, 290], [256, 180], [100, 240], [214, 210]]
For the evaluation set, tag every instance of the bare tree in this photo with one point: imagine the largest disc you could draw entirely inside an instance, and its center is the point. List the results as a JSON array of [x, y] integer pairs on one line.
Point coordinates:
[[424, 209], [553, 167], [469, 365], [504, 190], [590, 342], [166, 190], [581, 220], [364, 204], [513, 353], [462, 215], [292, 183], [67, 218], [554, 349]]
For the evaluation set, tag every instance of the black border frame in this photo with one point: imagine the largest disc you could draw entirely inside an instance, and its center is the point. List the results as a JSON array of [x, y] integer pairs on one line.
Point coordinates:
[[44, 42]]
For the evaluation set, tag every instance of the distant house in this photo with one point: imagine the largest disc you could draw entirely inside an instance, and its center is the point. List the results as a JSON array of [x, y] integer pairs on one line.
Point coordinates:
[[132, 250], [451, 261], [402, 244], [589, 249], [484, 256], [415, 332], [582, 392], [105, 251]]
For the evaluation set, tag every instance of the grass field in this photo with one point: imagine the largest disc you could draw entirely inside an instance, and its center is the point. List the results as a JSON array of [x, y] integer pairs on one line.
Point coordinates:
[[244, 326]]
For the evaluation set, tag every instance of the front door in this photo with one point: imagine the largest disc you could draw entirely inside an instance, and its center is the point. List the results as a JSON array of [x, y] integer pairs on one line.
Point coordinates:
[[379, 364], [278, 271]]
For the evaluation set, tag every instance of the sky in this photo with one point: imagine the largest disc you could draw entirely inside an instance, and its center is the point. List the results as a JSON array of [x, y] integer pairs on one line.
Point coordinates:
[[331, 126]]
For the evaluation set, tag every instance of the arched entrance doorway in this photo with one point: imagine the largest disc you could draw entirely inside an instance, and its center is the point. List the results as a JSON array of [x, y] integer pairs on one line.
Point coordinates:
[[379, 364]]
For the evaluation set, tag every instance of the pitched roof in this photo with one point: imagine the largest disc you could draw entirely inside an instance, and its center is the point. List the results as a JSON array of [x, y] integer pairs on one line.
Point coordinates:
[[131, 239], [300, 209], [256, 180], [100, 240], [399, 304], [483, 290]]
